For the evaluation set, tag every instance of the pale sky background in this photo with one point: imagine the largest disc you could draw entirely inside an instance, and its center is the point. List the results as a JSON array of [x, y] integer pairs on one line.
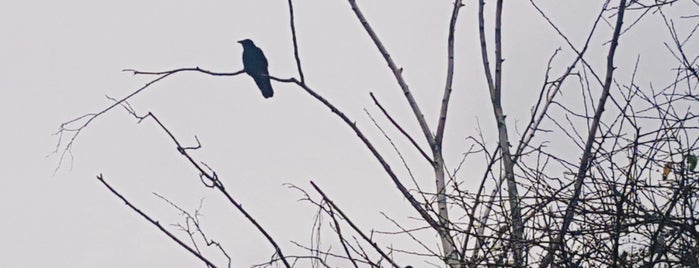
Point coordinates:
[[58, 59]]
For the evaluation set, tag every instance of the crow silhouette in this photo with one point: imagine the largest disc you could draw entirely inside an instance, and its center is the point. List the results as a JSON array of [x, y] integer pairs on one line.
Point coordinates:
[[255, 65]]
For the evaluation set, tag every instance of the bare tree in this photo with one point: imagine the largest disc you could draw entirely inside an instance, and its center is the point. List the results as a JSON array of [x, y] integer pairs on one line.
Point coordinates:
[[625, 197]]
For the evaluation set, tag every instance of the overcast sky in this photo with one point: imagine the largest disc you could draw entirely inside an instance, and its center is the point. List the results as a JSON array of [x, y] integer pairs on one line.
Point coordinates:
[[58, 60]]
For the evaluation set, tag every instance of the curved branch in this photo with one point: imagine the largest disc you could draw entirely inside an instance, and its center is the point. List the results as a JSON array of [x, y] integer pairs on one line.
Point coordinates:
[[68, 126]]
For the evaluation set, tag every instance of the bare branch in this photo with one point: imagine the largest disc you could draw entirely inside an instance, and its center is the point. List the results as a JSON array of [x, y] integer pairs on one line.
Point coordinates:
[[212, 177], [194, 219], [356, 229], [587, 153], [154, 222], [402, 131], [397, 73], [75, 126], [495, 89], [294, 40], [411, 199], [400, 155], [439, 136]]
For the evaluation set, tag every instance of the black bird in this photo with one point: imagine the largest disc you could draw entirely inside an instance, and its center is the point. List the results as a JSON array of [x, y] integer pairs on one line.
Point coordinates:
[[255, 65]]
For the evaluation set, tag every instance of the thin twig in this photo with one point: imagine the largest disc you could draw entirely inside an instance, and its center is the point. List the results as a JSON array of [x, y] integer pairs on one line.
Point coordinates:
[[591, 140], [356, 229], [217, 184], [67, 127], [402, 131]]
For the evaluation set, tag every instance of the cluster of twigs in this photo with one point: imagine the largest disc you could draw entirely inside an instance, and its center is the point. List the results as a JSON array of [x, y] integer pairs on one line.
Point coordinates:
[[604, 206]]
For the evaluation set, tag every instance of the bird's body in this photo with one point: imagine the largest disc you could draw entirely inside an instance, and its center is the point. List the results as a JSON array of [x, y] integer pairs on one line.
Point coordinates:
[[255, 65]]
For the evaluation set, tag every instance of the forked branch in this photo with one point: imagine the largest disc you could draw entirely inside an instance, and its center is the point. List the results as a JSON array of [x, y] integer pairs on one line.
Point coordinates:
[[72, 128]]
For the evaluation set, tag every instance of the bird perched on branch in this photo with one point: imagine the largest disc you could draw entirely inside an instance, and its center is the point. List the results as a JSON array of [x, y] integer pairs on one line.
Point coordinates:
[[255, 65]]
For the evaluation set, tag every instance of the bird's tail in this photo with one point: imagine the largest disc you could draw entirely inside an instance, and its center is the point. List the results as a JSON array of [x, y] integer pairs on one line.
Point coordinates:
[[265, 86]]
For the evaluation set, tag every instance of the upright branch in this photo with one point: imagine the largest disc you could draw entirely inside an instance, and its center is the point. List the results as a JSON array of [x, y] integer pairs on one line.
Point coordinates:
[[435, 142], [587, 155], [294, 40], [452, 253], [495, 88], [397, 73], [450, 73]]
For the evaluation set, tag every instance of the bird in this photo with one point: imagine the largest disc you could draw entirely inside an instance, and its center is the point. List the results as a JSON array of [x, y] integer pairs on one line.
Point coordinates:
[[255, 65]]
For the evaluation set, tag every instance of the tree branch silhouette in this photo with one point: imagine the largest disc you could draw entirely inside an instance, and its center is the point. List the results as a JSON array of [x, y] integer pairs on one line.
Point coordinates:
[[154, 222]]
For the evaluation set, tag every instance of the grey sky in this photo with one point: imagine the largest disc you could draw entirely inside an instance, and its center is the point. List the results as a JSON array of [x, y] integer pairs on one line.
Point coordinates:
[[60, 58]]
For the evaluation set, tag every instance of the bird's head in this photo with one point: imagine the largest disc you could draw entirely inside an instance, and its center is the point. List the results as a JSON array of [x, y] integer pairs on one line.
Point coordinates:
[[246, 42]]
